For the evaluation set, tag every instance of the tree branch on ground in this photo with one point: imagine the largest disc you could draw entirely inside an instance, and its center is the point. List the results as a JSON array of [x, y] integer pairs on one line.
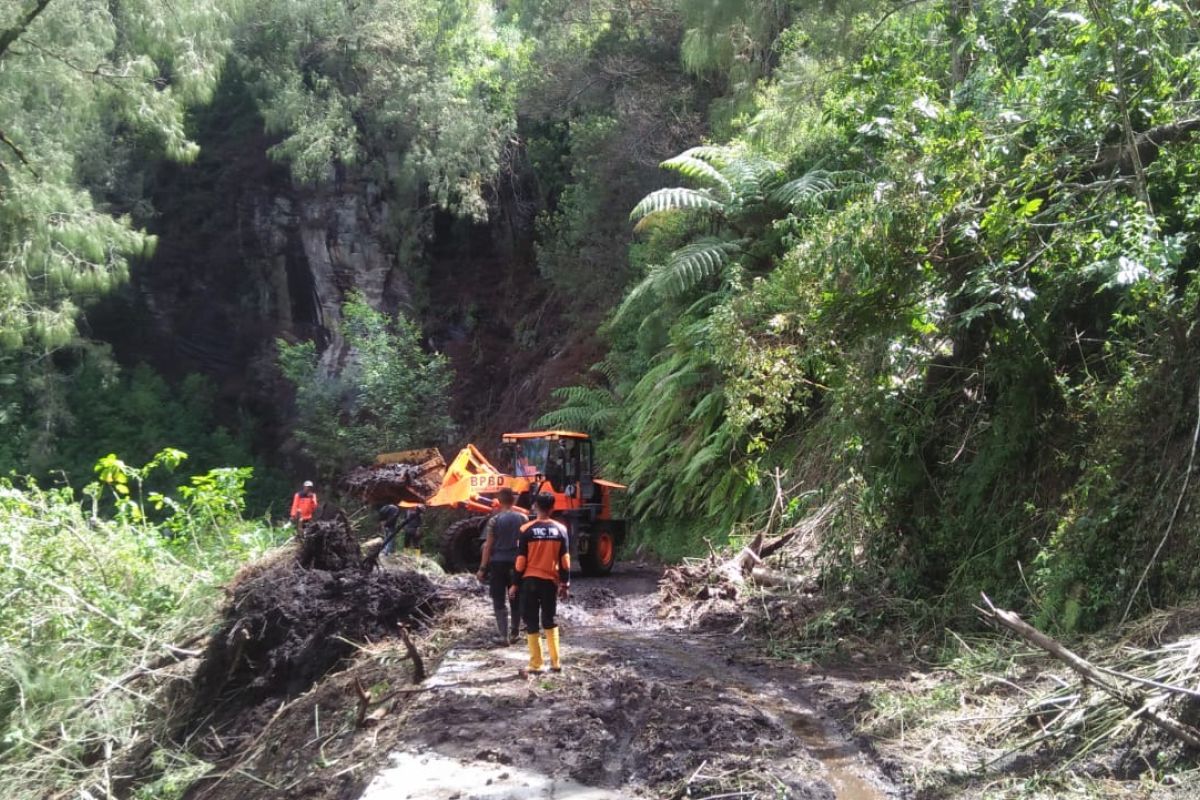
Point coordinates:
[[1090, 673]]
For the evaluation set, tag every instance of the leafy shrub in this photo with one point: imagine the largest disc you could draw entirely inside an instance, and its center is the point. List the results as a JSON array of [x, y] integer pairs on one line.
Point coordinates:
[[392, 395], [89, 598]]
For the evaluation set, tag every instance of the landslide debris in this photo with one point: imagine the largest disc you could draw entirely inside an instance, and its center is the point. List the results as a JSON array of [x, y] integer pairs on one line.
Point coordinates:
[[397, 482], [292, 621]]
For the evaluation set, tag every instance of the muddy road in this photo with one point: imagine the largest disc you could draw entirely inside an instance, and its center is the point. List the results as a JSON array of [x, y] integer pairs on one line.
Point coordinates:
[[640, 710]]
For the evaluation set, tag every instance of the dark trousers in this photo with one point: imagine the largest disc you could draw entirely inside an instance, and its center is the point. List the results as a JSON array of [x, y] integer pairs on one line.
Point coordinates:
[[389, 539], [500, 575], [539, 603], [412, 536]]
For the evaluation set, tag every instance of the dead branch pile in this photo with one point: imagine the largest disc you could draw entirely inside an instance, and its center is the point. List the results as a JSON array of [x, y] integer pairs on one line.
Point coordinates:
[[1157, 687], [710, 591]]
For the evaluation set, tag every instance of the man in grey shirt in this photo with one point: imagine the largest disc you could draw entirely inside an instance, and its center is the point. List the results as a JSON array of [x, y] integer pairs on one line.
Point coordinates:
[[496, 566]]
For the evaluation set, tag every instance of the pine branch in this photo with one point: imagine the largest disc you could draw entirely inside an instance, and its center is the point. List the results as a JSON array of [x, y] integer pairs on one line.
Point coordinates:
[[12, 34], [20, 154]]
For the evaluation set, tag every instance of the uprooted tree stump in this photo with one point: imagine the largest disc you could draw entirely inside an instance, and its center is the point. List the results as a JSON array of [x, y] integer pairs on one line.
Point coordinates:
[[292, 623], [328, 543], [395, 483], [723, 578]]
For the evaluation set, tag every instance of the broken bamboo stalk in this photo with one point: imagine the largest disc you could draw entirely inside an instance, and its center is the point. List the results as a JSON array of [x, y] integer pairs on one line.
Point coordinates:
[[1090, 674]]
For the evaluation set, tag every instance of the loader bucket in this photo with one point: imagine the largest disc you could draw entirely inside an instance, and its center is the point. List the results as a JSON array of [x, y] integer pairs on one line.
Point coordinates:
[[407, 477]]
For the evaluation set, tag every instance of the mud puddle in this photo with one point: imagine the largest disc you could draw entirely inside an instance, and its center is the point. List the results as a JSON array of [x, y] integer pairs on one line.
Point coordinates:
[[639, 711]]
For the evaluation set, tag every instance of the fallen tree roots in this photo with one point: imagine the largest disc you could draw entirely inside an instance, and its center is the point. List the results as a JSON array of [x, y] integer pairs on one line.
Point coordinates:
[[397, 482], [1144, 706], [290, 624]]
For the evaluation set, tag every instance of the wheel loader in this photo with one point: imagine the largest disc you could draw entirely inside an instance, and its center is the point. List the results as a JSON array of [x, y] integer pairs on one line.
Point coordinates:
[[554, 462]]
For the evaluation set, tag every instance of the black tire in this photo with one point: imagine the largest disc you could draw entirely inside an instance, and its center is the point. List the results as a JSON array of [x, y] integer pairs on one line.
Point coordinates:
[[461, 545], [601, 556]]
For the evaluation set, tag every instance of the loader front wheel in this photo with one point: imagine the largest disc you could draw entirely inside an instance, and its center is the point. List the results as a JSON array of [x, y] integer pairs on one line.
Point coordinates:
[[601, 554], [461, 545]]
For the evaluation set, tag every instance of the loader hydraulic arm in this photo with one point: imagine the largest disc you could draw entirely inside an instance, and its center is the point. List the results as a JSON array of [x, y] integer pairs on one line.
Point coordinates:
[[469, 477]]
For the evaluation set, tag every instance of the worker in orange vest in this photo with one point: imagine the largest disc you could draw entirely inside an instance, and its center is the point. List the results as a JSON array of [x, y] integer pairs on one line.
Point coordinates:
[[304, 503]]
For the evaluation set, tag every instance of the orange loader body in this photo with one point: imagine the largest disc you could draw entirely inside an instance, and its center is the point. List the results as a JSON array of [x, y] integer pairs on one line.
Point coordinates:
[[555, 462]]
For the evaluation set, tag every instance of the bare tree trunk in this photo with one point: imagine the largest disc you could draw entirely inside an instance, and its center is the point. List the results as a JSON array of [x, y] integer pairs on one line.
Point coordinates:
[[1104, 19], [960, 55]]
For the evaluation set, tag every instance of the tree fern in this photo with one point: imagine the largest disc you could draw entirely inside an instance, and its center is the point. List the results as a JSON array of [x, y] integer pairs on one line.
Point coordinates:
[[691, 264], [751, 175], [675, 199]]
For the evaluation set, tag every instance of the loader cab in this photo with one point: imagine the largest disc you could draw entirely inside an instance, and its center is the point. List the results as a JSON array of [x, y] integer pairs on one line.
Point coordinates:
[[564, 458]]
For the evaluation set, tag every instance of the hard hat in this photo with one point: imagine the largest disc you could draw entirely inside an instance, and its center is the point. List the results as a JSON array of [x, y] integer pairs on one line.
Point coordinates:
[[308, 484]]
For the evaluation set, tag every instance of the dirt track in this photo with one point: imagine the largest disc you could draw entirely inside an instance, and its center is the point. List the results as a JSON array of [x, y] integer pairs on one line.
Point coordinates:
[[640, 710]]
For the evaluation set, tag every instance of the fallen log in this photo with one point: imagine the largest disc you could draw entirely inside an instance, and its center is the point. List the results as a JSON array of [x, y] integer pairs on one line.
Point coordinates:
[[764, 576], [1091, 674], [174, 654]]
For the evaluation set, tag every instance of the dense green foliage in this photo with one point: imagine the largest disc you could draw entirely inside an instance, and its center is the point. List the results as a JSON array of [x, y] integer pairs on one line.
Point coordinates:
[[89, 597], [981, 311], [415, 92], [392, 395], [57, 422], [939, 253], [936, 260], [126, 73], [415, 96]]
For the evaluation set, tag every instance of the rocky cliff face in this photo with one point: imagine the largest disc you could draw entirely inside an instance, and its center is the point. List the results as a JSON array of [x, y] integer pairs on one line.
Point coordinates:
[[246, 256], [310, 248]]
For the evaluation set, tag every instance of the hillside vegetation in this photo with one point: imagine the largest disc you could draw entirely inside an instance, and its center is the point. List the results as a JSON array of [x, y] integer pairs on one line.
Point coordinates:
[[950, 271], [926, 269]]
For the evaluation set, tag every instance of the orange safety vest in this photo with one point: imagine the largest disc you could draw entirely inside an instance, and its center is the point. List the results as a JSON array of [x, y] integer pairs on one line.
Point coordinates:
[[304, 506]]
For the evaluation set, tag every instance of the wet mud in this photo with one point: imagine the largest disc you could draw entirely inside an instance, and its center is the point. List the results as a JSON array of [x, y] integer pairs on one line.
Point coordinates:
[[640, 710]]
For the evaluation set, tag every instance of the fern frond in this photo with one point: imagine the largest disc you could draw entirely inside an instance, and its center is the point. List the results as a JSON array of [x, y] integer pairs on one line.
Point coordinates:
[[631, 300], [584, 408], [607, 369], [818, 188], [698, 170], [589, 420], [749, 175], [675, 199], [801, 192], [691, 264], [713, 154]]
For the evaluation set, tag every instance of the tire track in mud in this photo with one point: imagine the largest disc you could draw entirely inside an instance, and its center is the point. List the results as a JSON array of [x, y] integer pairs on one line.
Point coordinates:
[[639, 710]]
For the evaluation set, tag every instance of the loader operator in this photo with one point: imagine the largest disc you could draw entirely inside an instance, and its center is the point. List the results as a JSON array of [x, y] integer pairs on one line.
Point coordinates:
[[543, 574], [499, 559], [304, 503]]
